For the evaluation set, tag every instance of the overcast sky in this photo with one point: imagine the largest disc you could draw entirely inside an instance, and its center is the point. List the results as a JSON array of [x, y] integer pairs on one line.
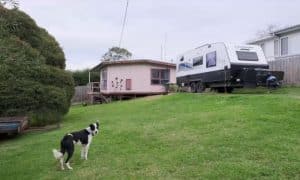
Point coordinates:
[[86, 29]]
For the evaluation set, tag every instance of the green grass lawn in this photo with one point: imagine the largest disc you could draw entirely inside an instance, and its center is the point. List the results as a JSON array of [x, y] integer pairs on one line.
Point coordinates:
[[209, 136]]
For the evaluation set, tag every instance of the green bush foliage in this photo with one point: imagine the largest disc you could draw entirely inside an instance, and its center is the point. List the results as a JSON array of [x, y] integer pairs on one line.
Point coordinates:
[[81, 77], [173, 88], [33, 81], [19, 24]]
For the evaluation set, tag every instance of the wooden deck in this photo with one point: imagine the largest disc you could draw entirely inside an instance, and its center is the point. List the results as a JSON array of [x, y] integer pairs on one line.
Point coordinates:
[[96, 96]]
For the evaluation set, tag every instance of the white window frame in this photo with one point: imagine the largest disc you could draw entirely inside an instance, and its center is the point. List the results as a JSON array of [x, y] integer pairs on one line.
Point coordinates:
[[103, 82], [277, 48], [281, 46], [263, 47]]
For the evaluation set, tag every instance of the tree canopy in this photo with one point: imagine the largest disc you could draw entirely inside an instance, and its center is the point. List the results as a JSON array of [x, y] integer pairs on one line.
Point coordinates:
[[81, 77], [267, 31], [9, 3], [33, 81], [116, 53]]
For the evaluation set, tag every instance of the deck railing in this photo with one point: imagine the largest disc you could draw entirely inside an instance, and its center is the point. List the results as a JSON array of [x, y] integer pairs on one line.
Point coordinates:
[[94, 87]]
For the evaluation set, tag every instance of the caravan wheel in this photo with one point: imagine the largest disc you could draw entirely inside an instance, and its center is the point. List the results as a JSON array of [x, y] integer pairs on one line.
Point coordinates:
[[200, 87], [193, 87]]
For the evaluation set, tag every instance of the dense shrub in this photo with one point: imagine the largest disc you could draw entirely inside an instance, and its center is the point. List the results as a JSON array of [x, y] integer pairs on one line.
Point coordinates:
[[33, 81], [173, 88]]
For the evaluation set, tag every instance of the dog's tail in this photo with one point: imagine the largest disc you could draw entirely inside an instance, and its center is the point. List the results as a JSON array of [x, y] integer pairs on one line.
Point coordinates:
[[57, 154]]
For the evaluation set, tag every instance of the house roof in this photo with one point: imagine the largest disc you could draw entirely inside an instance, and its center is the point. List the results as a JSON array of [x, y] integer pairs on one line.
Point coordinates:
[[260, 39], [288, 29], [276, 33], [127, 62]]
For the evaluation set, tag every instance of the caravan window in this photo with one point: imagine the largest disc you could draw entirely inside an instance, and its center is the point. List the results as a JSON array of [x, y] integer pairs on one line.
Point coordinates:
[[211, 59], [198, 61], [184, 66], [247, 56], [182, 58]]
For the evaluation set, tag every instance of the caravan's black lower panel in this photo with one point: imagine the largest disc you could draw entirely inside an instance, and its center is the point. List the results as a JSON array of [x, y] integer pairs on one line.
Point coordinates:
[[237, 76], [215, 76]]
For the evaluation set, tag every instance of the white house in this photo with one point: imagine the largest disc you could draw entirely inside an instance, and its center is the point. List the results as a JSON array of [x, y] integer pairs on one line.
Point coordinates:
[[280, 43]]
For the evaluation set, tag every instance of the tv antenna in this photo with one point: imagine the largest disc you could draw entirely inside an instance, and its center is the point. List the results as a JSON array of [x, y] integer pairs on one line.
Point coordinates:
[[124, 23]]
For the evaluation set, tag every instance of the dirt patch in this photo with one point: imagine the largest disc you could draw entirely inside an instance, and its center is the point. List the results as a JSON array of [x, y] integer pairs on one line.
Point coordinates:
[[44, 128], [295, 97], [149, 98]]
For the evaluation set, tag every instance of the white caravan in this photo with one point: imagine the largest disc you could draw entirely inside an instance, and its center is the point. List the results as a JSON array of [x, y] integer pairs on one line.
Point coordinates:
[[223, 66]]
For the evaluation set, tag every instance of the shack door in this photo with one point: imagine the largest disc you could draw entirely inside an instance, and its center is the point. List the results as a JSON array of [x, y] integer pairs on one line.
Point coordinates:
[[128, 84]]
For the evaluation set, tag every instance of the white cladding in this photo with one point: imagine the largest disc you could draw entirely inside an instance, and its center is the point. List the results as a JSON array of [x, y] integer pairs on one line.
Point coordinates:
[[293, 43], [226, 55]]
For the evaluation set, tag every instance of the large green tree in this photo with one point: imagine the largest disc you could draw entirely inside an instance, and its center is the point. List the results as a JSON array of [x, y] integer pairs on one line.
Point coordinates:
[[116, 53], [33, 81]]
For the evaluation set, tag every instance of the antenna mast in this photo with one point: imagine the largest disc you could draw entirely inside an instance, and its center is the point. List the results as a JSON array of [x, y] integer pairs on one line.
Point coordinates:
[[124, 22]]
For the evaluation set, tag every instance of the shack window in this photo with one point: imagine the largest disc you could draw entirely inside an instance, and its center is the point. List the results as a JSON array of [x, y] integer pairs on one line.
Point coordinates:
[[198, 61], [160, 76], [211, 59], [247, 56]]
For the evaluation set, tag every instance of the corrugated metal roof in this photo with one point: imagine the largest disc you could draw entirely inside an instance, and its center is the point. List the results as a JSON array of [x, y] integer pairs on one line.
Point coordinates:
[[267, 37], [136, 61], [288, 29]]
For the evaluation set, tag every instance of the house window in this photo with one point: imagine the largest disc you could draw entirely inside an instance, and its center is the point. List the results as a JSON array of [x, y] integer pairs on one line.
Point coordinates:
[[276, 47], [128, 84], [211, 59], [104, 79], [284, 46], [160, 76], [198, 61]]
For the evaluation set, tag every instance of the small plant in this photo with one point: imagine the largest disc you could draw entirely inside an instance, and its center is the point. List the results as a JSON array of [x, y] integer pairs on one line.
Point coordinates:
[[173, 88]]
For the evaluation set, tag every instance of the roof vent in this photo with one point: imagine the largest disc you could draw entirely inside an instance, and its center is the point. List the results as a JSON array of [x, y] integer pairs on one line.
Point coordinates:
[[244, 49]]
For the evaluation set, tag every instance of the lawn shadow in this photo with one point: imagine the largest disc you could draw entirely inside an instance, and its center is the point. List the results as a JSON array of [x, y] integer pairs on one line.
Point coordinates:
[[6, 137], [260, 90]]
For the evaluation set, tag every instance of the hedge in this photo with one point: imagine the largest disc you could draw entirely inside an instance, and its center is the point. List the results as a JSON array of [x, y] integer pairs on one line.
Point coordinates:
[[33, 81]]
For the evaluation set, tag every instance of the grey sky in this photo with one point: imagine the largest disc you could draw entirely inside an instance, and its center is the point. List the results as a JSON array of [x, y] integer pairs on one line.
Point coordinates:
[[86, 29]]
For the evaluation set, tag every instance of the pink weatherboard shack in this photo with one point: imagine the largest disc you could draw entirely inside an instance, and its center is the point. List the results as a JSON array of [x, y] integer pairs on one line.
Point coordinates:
[[132, 78]]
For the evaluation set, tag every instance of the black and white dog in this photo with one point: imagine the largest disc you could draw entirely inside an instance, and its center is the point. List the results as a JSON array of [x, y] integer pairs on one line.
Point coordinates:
[[83, 137]]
